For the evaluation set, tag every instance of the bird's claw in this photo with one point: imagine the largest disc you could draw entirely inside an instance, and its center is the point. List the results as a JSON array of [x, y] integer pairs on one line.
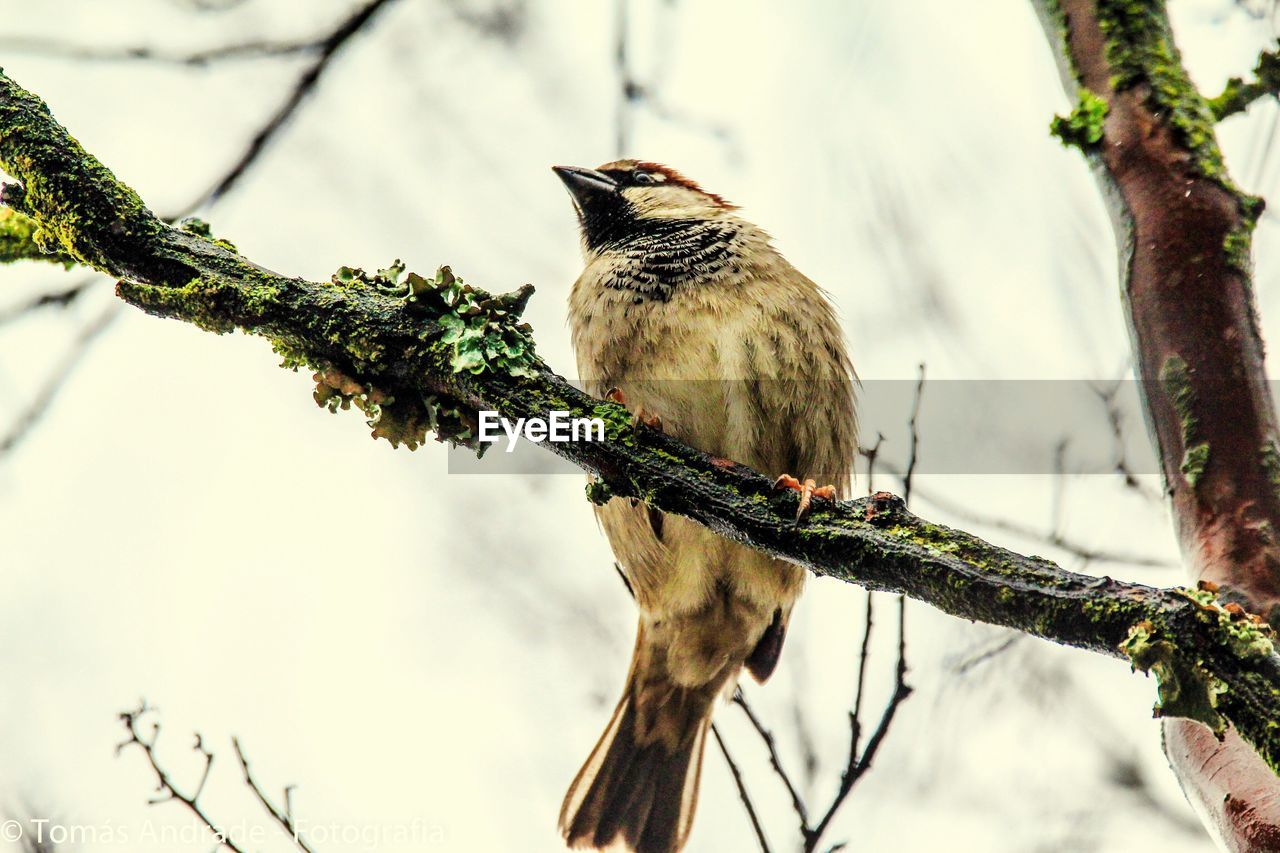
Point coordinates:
[[808, 491], [649, 419]]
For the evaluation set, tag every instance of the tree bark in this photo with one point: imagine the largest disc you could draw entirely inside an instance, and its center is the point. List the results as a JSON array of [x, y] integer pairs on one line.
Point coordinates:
[[1183, 230]]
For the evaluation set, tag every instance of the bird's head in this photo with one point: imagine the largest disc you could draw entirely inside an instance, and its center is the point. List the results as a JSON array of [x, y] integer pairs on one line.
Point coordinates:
[[617, 200]]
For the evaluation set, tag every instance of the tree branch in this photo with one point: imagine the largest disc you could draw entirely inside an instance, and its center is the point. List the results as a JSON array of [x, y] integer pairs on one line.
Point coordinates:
[[1184, 231], [1237, 95], [439, 349], [165, 786]]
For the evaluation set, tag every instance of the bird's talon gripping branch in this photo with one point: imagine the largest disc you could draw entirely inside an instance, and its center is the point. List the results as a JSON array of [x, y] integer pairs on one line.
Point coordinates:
[[652, 421], [649, 419], [808, 491]]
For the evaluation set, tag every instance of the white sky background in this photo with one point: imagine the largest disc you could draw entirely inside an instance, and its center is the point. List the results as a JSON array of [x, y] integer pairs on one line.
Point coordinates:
[[419, 650]]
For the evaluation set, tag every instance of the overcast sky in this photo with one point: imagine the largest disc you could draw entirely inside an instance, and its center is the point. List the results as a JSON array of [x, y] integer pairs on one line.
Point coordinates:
[[429, 657]]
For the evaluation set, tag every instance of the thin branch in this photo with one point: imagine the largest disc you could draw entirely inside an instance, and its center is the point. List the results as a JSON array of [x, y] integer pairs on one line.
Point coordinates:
[[1238, 95], [164, 783], [53, 299], [915, 438], [284, 816], [987, 654], [775, 761], [871, 454], [859, 764], [27, 419], [306, 83], [855, 718], [742, 791], [628, 88], [93, 53]]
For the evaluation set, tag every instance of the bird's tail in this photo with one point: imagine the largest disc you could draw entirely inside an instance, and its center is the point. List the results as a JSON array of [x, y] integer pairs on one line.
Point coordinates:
[[640, 784]]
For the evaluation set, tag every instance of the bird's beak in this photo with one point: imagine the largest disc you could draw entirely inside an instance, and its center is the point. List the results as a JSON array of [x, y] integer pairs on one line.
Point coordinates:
[[584, 184]]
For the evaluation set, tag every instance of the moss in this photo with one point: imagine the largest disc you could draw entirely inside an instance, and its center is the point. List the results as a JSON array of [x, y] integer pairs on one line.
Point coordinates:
[[598, 492], [83, 210], [200, 228], [1175, 374], [1194, 461], [1237, 95], [479, 327], [1140, 50], [1185, 688], [1238, 246], [618, 424], [20, 240], [1083, 127], [1247, 636]]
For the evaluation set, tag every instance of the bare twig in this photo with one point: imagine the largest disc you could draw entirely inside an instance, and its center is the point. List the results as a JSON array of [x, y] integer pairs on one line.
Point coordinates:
[[871, 454], [742, 791], [305, 84], [856, 716], [1057, 502], [993, 651], [775, 761], [1238, 94], [93, 53], [164, 783], [35, 410], [628, 88], [915, 439], [1107, 396], [53, 299], [859, 764], [284, 816]]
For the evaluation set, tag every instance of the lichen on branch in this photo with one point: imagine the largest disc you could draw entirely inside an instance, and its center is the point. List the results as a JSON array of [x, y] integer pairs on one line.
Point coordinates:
[[1238, 94], [1083, 127]]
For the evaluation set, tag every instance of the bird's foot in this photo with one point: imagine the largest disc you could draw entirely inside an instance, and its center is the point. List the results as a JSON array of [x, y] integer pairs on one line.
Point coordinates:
[[808, 491], [649, 419]]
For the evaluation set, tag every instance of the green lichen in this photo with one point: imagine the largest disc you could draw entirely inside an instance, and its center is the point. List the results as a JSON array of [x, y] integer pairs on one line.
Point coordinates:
[[1175, 375], [83, 210], [1237, 95], [21, 240], [1140, 50], [1247, 636], [619, 425], [1194, 460], [598, 492], [480, 328], [931, 536], [1083, 127], [200, 228], [1238, 247], [1185, 688], [1270, 458]]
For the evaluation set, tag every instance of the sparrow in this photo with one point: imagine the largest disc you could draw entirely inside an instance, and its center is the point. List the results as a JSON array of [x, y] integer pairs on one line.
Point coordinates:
[[687, 315]]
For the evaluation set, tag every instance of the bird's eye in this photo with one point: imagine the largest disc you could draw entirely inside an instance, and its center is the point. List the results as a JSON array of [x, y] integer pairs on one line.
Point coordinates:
[[644, 177]]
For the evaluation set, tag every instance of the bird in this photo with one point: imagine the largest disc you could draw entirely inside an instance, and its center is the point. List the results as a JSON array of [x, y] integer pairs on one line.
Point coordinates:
[[686, 314]]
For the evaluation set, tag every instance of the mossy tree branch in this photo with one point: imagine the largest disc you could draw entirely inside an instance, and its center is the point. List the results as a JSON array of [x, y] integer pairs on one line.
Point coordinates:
[[416, 352], [1238, 94], [1184, 230]]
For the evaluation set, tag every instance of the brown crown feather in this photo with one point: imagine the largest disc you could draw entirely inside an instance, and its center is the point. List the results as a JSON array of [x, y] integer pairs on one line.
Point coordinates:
[[672, 176]]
